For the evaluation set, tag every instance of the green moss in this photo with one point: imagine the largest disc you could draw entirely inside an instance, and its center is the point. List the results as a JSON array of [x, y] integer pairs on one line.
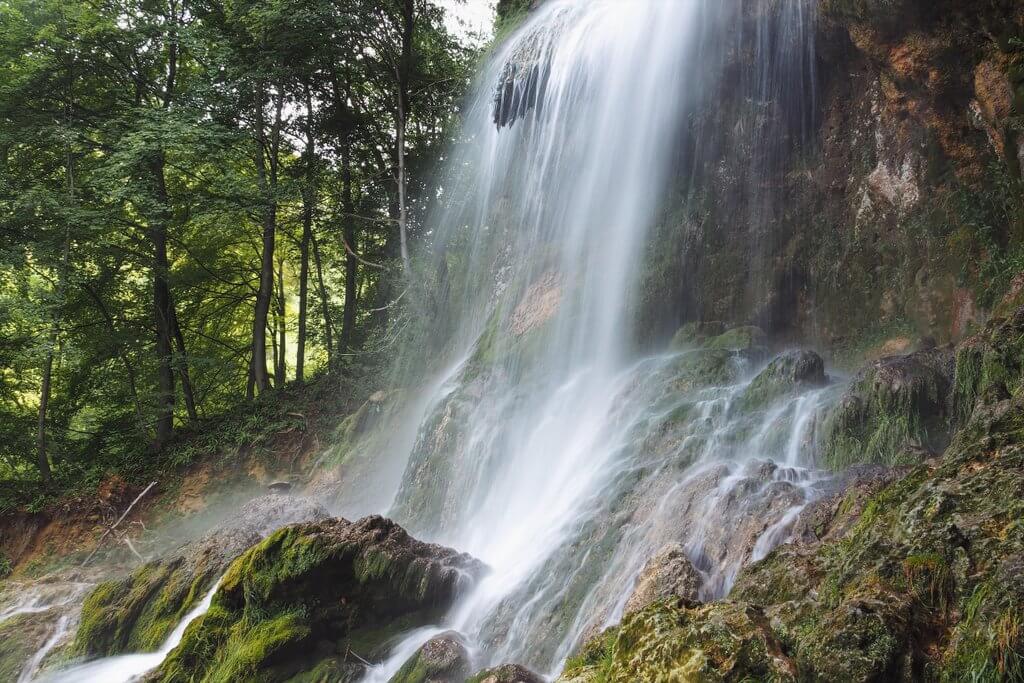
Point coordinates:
[[738, 339], [667, 641], [894, 411], [308, 595]]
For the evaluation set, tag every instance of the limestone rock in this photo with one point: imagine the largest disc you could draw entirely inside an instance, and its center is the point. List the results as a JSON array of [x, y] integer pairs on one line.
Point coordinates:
[[668, 574]]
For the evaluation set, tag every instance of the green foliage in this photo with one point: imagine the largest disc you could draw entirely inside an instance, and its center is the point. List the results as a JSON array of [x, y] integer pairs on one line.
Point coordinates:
[[125, 124]]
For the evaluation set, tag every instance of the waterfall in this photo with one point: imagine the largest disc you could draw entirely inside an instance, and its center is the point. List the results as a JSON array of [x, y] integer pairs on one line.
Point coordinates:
[[545, 445]]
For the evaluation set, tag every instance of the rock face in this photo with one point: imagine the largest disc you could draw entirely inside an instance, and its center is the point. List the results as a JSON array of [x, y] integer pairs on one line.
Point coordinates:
[[897, 411], [668, 574], [858, 223], [442, 659], [904, 575], [137, 612], [310, 596]]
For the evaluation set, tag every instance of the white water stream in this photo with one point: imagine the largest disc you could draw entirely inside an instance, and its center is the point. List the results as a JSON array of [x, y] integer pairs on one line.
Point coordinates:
[[125, 668]]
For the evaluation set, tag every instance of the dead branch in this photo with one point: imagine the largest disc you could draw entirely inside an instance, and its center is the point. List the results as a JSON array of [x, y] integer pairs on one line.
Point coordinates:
[[119, 520]]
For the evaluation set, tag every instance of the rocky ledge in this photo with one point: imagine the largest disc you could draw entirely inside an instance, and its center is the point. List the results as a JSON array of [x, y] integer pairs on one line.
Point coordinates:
[[907, 574]]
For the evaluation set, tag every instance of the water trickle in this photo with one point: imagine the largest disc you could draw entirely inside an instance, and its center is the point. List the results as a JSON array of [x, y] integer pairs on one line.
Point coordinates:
[[125, 668]]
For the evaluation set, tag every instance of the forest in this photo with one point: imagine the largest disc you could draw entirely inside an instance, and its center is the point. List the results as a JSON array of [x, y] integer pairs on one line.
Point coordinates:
[[202, 202]]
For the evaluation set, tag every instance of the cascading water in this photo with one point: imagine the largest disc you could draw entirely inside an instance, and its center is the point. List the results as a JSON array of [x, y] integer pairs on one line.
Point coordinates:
[[542, 448]]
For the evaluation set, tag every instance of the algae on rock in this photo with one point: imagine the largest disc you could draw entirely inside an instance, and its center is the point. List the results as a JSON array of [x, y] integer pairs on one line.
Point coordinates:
[[311, 595]]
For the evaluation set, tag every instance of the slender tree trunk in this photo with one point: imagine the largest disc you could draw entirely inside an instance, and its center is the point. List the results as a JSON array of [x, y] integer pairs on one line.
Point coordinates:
[[324, 300], [404, 70], [281, 370], [42, 459], [181, 362], [351, 262], [163, 312], [266, 170], [308, 203]]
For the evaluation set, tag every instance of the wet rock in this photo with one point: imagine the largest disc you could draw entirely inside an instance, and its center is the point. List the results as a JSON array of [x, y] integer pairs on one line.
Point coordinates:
[[310, 594], [790, 373], [896, 411], [694, 334], [832, 515], [749, 341], [442, 659], [668, 574], [137, 612], [506, 673], [279, 486]]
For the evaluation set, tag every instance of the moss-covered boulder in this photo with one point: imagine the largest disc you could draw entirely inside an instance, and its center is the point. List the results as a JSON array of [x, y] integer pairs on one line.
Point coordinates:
[[674, 641], [320, 596], [788, 374], [506, 673], [896, 411], [137, 612], [442, 659]]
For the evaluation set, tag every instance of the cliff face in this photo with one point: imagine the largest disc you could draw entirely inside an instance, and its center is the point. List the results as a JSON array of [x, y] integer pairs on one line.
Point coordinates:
[[883, 201]]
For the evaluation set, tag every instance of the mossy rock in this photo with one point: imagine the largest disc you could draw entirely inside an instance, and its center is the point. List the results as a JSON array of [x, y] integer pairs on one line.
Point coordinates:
[[990, 364], [788, 374], [672, 641], [442, 659], [694, 334], [896, 411], [20, 637], [313, 593], [700, 368], [749, 340], [137, 612]]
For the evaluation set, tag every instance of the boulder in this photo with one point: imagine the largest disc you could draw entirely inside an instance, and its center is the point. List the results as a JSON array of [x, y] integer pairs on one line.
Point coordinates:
[[319, 596], [442, 659], [506, 673], [668, 574], [137, 612], [790, 373]]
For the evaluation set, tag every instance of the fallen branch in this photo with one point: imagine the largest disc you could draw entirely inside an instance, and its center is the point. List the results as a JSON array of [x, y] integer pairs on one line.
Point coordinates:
[[128, 542], [119, 520]]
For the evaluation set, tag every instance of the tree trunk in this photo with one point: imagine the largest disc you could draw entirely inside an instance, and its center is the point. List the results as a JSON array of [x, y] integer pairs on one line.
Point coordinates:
[[164, 353], [324, 301], [266, 171], [404, 73], [308, 203], [181, 362], [42, 460], [348, 324], [281, 370]]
